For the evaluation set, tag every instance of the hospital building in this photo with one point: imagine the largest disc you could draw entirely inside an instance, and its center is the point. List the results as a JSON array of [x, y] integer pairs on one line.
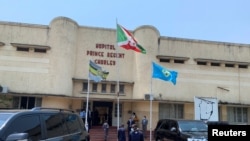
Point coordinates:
[[48, 66]]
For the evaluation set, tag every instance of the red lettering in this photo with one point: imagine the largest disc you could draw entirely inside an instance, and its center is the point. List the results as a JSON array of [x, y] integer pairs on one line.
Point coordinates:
[[95, 53], [112, 47], [105, 62], [115, 55], [105, 46]]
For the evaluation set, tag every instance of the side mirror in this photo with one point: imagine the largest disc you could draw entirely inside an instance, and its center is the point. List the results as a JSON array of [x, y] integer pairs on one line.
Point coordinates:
[[17, 137]]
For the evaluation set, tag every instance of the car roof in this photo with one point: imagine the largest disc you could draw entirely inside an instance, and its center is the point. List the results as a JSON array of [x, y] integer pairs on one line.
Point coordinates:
[[35, 110], [13, 110]]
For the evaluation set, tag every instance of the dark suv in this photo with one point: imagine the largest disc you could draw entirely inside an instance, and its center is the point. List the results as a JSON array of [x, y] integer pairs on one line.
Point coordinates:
[[42, 124], [180, 130]]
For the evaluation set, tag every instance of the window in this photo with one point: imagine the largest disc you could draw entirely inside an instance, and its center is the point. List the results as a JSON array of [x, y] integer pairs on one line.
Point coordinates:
[[215, 64], [229, 65], [165, 60], [171, 111], [201, 63], [104, 88], [174, 59], [2, 44], [94, 87], [40, 50], [120, 110], [121, 87], [22, 49], [237, 115], [27, 47], [112, 88], [26, 124], [243, 66], [5, 101], [85, 87], [26, 102], [179, 61]]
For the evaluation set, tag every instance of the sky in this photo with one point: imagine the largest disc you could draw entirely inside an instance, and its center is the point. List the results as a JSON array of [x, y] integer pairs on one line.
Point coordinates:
[[212, 20]]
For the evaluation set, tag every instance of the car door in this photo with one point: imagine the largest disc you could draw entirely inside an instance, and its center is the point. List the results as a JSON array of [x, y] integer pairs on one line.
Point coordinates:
[[63, 127], [55, 129], [29, 123], [72, 122], [173, 131], [163, 132]]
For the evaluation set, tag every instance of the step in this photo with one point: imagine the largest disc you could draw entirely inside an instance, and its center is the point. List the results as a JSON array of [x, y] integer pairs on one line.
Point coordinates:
[[97, 134]]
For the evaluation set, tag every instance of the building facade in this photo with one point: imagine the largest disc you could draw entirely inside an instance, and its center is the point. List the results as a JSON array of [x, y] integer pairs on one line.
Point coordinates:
[[47, 65]]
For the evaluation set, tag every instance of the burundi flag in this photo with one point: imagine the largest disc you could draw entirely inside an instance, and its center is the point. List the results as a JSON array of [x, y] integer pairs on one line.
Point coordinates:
[[163, 73], [126, 40], [96, 72]]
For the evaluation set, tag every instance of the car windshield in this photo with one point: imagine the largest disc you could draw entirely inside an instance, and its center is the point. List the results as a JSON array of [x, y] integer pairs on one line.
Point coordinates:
[[3, 118], [192, 126]]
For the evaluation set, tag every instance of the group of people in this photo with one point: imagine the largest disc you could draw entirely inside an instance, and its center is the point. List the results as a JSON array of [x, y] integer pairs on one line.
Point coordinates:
[[134, 133]]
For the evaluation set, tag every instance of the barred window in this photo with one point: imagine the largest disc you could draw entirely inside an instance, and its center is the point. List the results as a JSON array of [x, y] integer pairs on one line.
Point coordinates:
[[24, 102], [94, 87], [121, 87], [120, 110], [22, 49], [85, 87], [104, 88], [40, 50], [171, 111], [112, 88], [237, 115]]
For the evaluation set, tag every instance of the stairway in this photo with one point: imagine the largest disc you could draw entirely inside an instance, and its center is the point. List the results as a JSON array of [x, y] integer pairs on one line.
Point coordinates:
[[97, 134]]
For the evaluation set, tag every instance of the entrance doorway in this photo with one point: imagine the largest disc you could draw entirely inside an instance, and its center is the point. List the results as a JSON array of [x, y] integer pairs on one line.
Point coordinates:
[[102, 111]]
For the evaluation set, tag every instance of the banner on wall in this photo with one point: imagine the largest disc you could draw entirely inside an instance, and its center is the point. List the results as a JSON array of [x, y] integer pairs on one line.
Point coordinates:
[[206, 108]]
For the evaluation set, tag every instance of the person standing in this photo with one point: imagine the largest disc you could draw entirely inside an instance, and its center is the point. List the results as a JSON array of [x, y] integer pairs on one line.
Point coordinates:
[[89, 118], [133, 115], [96, 117], [135, 118], [144, 123], [83, 115], [134, 126], [121, 133], [136, 135], [105, 127], [130, 122]]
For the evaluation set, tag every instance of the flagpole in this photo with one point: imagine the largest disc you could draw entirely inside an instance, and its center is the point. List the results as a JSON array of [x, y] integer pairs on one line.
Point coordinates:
[[151, 99], [118, 85], [87, 105]]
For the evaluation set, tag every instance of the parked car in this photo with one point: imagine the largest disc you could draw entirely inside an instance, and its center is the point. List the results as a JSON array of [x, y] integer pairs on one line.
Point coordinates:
[[42, 124], [181, 130]]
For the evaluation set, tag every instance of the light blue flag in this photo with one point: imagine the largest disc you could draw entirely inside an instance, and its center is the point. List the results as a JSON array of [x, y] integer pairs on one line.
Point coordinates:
[[163, 73]]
